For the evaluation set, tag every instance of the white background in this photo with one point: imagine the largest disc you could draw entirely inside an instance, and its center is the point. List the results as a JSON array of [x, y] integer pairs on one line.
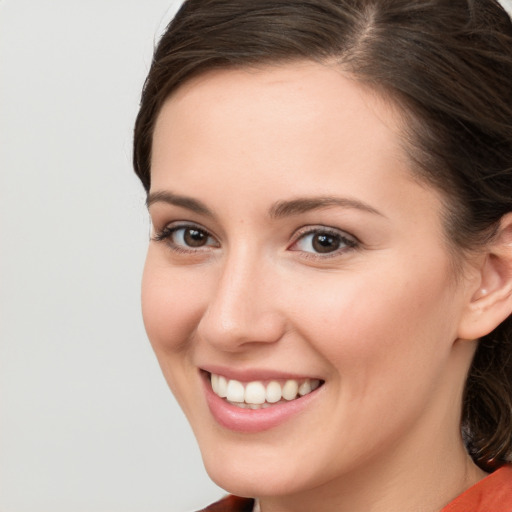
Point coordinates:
[[86, 420]]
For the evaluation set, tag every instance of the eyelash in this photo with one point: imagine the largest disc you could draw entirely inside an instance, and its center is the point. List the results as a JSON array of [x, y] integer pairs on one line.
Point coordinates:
[[166, 235], [347, 242]]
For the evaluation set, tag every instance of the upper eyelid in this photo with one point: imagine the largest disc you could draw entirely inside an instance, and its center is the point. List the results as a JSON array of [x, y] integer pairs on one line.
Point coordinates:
[[306, 230], [177, 224], [171, 227]]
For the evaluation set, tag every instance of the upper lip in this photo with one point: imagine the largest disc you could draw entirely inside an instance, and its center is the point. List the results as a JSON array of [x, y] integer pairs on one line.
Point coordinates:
[[253, 374]]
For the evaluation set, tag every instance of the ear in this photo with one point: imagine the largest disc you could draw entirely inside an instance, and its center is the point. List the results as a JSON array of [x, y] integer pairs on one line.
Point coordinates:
[[490, 300]]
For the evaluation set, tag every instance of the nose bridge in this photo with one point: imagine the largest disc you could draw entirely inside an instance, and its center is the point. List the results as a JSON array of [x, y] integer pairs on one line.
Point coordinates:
[[241, 308]]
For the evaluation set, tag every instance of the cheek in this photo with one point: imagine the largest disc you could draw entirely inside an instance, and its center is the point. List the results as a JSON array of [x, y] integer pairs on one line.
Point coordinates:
[[396, 325], [172, 304], [385, 344]]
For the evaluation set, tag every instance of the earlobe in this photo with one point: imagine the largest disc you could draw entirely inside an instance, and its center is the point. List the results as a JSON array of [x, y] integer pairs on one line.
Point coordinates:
[[491, 302]]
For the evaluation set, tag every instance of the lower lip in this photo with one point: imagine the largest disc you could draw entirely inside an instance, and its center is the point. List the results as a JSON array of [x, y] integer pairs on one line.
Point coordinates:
[[253, 420]]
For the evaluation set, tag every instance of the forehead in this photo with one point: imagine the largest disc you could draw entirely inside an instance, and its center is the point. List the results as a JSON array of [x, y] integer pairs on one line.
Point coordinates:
[[273, 111], [312, 89]]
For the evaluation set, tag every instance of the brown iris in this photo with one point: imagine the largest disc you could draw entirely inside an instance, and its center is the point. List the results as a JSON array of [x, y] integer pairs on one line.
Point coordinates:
[[324, 242], [195, 237]]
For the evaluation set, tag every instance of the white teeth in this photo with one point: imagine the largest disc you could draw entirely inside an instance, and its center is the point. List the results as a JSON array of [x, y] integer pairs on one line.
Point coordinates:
[[222, 387], [274, 393], [235, 391], [242, 405], [304, 388], [215, 383], [290, 389], [255, 395]]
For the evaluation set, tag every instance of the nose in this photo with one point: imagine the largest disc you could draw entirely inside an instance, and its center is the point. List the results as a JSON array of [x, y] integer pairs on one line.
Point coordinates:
[[243, 306]]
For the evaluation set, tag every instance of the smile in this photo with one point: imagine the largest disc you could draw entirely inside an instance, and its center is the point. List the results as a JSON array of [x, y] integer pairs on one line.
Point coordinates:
[[266, 401], [258, 394]]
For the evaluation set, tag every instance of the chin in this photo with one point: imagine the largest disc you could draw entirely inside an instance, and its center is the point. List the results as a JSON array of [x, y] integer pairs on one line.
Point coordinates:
[[252, 482], [249, 472]]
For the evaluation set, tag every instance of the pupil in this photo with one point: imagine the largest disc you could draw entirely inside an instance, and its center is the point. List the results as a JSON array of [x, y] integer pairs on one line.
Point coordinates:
[[325, 243], [195, 237]]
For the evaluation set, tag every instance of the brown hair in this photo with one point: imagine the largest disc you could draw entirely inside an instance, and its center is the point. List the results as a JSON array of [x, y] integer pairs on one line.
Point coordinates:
[[446, 63]]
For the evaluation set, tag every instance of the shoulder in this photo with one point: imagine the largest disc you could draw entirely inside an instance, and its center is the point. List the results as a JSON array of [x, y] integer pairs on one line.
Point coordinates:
[[493, 493], [231, 504]]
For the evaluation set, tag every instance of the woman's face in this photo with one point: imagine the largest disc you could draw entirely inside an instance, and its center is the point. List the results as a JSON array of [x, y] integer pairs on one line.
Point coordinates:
[[292, 248]]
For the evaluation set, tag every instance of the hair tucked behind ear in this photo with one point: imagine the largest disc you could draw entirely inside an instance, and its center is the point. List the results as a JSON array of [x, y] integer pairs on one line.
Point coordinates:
[[446, 63]]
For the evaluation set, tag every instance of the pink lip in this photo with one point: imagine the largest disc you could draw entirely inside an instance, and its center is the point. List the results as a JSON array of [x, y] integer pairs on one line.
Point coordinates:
[[253, 420], [251, 374]]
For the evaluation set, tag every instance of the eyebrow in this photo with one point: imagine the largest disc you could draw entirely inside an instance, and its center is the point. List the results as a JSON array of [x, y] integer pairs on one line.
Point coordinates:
[[185, 202], [306, 204], [278, 210]]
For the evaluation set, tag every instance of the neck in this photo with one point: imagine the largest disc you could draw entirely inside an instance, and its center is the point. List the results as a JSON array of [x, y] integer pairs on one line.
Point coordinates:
[[425, 484]]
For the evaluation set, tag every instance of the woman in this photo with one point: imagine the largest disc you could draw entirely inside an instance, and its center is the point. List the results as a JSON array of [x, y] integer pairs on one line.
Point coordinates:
[[328, 285]]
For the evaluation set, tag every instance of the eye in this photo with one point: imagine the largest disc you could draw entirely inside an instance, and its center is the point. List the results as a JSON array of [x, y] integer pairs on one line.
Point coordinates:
[[190, 237], [323, 241], [186, 237]]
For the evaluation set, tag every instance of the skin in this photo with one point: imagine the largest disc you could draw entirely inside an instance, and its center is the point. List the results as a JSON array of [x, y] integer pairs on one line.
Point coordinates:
[[379, 320]]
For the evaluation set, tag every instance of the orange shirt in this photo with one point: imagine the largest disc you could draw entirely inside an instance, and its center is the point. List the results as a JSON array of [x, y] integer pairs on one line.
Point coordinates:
[[492, 494], [231, 504]]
